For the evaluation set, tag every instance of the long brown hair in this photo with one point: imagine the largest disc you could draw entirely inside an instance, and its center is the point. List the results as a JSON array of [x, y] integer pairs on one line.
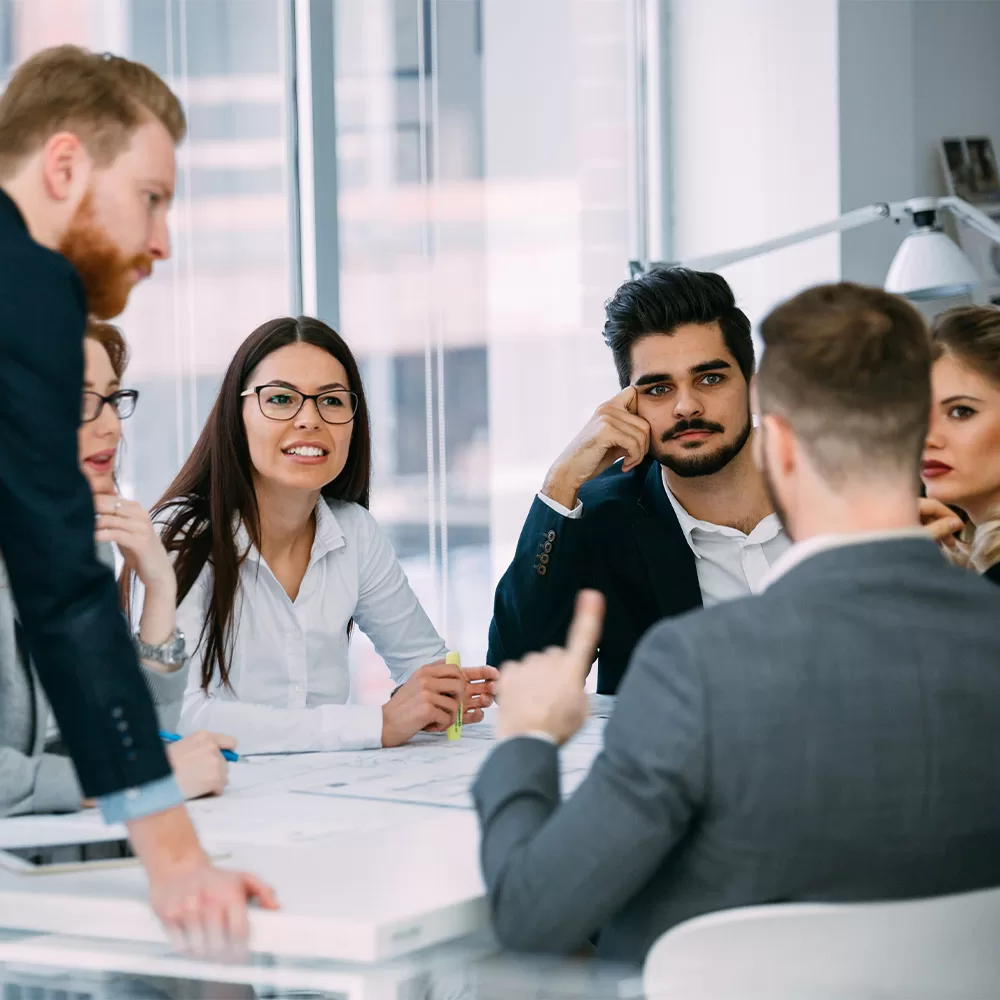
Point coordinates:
[[971, 335], [197, 510]]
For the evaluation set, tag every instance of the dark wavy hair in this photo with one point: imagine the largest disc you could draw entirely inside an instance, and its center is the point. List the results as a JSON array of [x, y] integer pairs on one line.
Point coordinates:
[[197, 510], [665, 298]]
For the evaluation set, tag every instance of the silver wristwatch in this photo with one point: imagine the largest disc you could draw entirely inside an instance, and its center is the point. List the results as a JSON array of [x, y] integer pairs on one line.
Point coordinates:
[[170, 653]]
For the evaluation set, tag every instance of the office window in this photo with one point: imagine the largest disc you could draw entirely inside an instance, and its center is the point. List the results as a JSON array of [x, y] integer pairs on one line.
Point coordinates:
[[6, 36], [484, 166], [230, 225]]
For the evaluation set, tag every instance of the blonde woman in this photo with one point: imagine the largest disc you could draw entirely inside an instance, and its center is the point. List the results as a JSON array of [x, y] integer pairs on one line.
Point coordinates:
[[961, 462]]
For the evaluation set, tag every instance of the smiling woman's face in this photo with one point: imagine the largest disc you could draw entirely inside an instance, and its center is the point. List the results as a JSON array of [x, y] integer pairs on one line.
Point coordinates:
[[304, 452], [98, 440]]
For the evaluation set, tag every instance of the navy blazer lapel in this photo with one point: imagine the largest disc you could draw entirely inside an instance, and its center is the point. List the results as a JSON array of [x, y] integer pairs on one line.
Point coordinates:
[[668, 557]]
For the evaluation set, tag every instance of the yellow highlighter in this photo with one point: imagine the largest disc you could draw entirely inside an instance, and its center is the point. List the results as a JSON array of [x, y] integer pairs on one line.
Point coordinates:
[[455, 729]]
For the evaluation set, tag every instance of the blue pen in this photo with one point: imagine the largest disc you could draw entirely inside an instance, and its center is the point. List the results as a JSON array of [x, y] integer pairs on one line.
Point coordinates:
[[173, 738]]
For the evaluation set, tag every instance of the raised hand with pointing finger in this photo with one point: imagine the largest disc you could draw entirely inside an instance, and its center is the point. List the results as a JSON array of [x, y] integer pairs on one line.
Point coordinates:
[[544, 693], [615, 431]]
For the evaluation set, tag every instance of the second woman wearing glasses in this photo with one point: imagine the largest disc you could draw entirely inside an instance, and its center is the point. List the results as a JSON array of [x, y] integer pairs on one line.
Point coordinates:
[[34, 779], [278, 558]]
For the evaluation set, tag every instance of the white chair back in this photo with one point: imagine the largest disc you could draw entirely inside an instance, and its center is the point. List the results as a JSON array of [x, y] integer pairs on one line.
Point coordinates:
[[925, 949]]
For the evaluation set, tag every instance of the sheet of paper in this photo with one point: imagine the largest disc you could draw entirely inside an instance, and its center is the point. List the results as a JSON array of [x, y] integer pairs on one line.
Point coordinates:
[[302, 798], [286, 818], [435, 775], [274, 772]]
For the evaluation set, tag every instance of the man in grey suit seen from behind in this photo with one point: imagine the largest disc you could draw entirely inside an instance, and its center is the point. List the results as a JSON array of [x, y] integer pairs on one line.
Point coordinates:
[[832, 738]]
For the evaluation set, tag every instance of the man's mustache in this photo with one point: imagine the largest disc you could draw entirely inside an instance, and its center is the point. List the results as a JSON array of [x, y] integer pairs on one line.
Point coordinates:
[[682, 426]]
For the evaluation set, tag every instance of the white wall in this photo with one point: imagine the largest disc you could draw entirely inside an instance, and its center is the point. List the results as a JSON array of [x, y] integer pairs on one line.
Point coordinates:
[[956, 49], [911, 71], [755, 136], [877, 130], [786, 113]]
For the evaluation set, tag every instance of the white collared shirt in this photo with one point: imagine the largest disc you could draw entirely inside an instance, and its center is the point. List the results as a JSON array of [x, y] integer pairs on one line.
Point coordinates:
[[809, 547], [729, 563], [288, 664]]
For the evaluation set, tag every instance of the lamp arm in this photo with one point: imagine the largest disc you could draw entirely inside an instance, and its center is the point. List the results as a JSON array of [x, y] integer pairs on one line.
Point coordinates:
[[712, 262], [971, 216]]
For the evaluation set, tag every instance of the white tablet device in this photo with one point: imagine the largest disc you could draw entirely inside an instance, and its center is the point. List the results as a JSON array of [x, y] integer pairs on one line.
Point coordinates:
[[51, 860]]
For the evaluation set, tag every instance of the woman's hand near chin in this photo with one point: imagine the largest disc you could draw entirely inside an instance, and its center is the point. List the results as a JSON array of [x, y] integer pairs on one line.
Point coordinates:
[[940, 522], [127, 525]]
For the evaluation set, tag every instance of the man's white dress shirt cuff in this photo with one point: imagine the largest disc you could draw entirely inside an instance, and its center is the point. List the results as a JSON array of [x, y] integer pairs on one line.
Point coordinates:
[[576, 513]]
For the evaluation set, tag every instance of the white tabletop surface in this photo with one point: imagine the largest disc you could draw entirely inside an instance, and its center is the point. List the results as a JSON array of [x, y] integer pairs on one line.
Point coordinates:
[[373, 854]]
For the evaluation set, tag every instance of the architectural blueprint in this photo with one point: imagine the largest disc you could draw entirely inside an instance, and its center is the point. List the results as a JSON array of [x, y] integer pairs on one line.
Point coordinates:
[[434, 773]]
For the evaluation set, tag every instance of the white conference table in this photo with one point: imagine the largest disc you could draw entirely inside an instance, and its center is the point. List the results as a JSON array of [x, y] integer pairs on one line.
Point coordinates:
[[374, 854]]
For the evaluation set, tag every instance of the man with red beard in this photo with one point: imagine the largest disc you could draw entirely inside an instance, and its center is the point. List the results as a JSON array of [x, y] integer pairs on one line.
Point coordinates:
[[86, 179]]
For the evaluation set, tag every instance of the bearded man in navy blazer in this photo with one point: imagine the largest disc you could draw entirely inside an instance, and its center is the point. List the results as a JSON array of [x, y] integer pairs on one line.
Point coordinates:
[[656, 502]]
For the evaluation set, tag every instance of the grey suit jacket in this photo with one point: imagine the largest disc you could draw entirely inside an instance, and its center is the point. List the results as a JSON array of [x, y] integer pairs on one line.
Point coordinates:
[[835, 738]]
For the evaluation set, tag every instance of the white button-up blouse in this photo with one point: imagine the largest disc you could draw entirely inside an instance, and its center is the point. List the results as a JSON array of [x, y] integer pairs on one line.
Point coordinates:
[[288, 662]]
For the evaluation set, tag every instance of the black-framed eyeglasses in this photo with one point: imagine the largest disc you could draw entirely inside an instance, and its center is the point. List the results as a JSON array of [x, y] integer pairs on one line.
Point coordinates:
[[279, 402], [122, 402]]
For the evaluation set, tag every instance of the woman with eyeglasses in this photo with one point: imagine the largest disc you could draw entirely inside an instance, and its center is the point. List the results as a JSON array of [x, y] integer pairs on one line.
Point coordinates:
[[33, 780], [278, 559]]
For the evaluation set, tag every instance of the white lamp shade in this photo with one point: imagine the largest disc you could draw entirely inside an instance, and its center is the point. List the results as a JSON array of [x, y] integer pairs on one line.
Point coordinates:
[[928, 265]]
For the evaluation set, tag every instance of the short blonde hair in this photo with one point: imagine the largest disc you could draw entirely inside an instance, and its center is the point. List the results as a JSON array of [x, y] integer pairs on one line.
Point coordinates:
[[102, 99]]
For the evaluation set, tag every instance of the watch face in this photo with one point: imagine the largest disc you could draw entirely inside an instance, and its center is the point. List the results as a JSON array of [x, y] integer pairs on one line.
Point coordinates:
[[172, 652]]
